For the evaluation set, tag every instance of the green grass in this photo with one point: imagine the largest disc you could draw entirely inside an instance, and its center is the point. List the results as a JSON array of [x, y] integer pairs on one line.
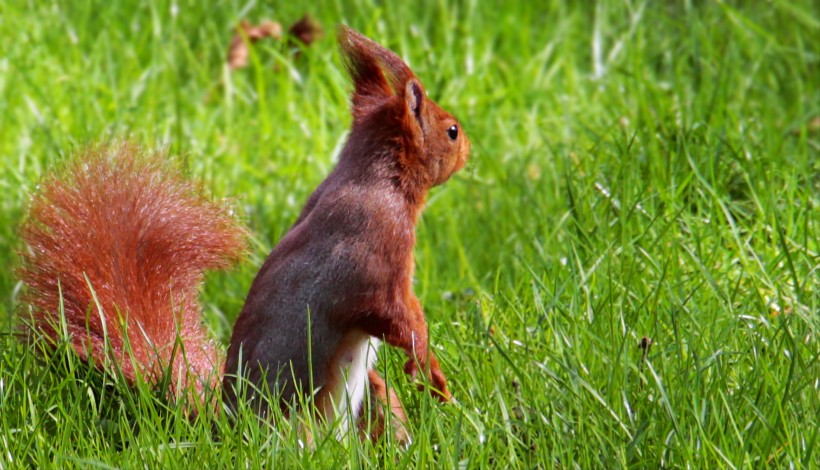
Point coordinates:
[[639, 169]]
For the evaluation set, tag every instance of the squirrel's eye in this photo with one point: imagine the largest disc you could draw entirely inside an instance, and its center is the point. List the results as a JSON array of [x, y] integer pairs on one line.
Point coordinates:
[[452, 132]]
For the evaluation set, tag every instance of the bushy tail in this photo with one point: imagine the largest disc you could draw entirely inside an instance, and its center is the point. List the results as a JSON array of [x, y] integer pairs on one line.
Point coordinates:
[[123, 240]]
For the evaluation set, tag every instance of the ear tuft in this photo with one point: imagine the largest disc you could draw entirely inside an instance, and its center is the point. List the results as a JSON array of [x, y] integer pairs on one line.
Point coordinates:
[[377, 72]]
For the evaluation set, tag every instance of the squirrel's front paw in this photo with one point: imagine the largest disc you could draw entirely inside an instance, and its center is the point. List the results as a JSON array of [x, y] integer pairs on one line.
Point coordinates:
[[411, 368], [439, 384]]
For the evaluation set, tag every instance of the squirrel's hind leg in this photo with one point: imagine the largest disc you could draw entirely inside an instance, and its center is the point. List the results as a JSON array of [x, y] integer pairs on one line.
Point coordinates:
[[383, 400]]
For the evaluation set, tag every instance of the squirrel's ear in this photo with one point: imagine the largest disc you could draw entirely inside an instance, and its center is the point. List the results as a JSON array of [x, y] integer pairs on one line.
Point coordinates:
[[414, 100], [377, 72], [368, 80]]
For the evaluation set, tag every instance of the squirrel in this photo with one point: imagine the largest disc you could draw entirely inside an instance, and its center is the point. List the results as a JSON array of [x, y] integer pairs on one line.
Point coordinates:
[[121, 241]]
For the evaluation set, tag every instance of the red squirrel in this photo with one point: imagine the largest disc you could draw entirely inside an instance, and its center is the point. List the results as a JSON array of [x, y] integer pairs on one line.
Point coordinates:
[[124, 242]]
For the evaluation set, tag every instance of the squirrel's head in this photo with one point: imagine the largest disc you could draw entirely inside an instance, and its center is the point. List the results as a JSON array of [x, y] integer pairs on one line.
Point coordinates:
[[433, 142]]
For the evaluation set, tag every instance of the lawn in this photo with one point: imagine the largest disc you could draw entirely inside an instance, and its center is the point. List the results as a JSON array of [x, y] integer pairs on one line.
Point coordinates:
[[627, 273]]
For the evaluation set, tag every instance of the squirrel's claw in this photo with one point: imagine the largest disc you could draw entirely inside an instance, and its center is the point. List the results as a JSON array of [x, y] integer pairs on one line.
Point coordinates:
[[439, 385]]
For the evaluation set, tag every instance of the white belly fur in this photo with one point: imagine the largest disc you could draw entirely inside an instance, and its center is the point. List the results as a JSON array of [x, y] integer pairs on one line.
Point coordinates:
[[356, 358]]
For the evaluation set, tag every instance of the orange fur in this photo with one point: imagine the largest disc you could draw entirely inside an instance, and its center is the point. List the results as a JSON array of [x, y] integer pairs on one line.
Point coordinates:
[[128, 226]]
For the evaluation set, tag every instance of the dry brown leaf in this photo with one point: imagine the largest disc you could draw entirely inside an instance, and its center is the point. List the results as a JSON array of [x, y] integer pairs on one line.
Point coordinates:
[[247, 34], [306, 30]]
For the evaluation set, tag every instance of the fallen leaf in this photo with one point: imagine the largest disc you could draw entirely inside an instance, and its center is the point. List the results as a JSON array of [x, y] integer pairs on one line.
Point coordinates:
[[247, 34], [306, 30]]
